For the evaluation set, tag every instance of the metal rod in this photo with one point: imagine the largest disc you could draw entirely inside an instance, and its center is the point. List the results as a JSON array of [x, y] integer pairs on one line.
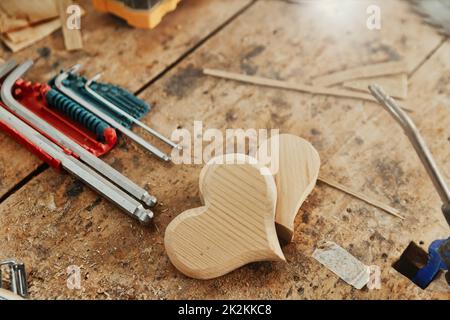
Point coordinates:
[[95, 163], [74, 96], [125, 114], [418, 143]]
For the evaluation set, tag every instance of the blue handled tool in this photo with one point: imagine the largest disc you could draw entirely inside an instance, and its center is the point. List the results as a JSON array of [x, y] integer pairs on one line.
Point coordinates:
[[438, 250], [414, 263]]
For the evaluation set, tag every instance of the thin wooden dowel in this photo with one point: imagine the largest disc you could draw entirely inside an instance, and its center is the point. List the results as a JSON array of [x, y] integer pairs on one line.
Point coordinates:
[[360, 196], [72, 38], [370, 71], [287, 85]]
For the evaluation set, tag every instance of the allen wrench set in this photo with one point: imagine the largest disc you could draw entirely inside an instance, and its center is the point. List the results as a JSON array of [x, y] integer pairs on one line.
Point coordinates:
[[59, 84], [59, 149]]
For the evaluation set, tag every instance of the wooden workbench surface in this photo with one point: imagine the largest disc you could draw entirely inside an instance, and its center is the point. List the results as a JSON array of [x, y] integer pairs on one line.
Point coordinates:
[[51, 221]]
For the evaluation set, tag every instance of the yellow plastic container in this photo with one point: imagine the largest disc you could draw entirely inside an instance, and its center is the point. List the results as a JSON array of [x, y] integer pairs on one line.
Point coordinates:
[[139, 18]]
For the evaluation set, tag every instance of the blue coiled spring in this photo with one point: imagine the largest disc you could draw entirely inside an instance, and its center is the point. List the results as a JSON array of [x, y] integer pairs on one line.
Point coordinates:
[[77, 113]]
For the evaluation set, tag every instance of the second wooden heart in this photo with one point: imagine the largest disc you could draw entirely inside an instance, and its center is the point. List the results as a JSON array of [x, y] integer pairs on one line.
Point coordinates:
[[296, 166], [234, 227]]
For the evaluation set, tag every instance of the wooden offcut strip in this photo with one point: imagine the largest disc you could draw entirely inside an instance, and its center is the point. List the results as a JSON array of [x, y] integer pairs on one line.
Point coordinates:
[[32, 33], [395, 85], [287, 85], [19, 14], [8, 23], [234, 227], [72, 37], [363, 197], [374, 70], [297, 165], [23, 38]]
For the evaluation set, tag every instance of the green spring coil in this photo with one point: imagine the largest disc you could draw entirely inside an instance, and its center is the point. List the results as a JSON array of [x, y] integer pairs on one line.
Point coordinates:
[[77, 113]]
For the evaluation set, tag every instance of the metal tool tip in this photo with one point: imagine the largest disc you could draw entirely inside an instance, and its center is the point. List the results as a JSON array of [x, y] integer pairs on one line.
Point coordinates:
[[144, 216], [378, 92], [375, 88], [94, 78], [74, 68], [149, 200], [28, 62]]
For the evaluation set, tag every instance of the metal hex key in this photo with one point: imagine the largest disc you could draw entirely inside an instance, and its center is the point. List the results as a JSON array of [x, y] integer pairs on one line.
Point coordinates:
[[113, 107], [419, 145], [74, 96]]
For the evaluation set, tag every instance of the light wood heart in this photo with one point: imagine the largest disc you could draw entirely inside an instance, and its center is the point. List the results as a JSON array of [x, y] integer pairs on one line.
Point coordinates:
[[234, 227], [297, 168]]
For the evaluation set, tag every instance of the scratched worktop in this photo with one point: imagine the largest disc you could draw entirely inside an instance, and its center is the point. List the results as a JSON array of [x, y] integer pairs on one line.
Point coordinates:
[[51, 221]]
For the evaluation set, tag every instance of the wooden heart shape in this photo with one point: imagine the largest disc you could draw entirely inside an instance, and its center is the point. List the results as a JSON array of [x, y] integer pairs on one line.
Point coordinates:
[[297, 169], [234, 227]]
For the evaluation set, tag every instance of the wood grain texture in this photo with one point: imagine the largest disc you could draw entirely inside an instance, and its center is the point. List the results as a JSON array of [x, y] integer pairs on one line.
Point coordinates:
[[52, 222], [11, 172], [236, 225], [72, 37], [392, 169], [138, 55], [18, 40], [8, 23], [395, 85], [368, 71], [33, 11], [298, 165]]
